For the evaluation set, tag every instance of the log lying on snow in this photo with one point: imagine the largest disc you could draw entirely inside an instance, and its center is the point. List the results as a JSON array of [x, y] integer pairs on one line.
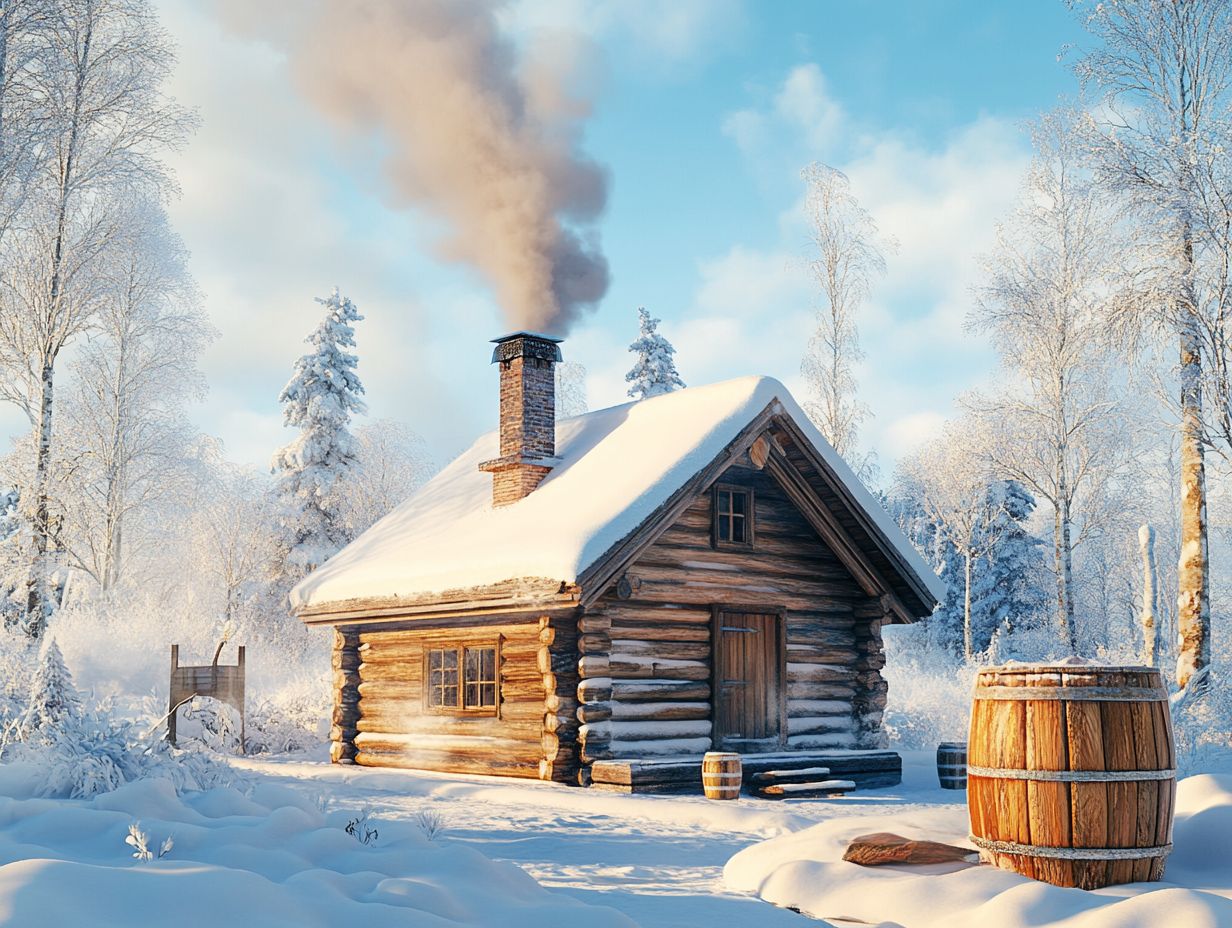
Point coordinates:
[[806, 789], [883, 848]]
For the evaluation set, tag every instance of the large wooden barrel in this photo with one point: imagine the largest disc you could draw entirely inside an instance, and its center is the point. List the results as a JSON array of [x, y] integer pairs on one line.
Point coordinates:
[[952, 764], [722, 775], [1071, 773]]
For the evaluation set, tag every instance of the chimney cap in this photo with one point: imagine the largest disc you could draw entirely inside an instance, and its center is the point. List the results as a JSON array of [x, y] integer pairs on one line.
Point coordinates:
[[526, 344]]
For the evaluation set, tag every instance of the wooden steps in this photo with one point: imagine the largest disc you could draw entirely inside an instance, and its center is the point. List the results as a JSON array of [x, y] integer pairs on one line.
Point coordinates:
[[860, 769], [805, 790]]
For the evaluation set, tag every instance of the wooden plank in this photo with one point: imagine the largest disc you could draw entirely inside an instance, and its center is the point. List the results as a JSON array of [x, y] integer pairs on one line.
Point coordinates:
[[1119, 754], [1048, 802], [1088, 801]]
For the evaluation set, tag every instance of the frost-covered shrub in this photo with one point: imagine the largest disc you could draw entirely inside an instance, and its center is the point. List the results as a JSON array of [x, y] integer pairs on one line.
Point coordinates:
[[213, 724], [18, 659], [1202, 727], [94, 753], [290, 723], [929, 700]]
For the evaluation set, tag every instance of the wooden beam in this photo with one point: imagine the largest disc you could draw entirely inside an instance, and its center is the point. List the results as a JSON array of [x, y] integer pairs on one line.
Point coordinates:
[[833, 534], [789, 433]]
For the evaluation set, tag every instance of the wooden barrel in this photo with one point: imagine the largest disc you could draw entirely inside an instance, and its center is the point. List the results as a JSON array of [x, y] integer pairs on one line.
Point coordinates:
[[952, 764], [721, 775], [1071, 773]]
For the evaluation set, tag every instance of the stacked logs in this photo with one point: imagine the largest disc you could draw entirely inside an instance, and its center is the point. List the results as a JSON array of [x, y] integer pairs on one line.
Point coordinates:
[[869, 704], [345, 720], [556, 660], [645, 680]]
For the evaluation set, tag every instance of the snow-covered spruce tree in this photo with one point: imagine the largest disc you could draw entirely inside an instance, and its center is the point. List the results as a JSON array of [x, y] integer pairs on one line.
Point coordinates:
[[950, 477], [1006, 593], [654, 371], [319, 400], [54, 701]]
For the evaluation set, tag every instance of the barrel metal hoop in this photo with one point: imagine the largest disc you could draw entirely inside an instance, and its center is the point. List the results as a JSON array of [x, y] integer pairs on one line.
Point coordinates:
[[1070, 853], [1071, 693], [1072, 776]]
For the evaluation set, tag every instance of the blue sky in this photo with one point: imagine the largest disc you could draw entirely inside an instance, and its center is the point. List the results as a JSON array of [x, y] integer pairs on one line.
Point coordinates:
[[704, 116]]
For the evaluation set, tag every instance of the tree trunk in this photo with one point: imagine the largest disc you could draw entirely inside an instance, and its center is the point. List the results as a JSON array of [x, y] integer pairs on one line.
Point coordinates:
[[36, 598], [1150, 597], [968, 650], [1063, 565], [36, 584], [1193, 610]]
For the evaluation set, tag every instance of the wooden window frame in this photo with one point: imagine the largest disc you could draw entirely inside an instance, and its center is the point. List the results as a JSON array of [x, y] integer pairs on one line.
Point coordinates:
[[749, 516], [460, 648]]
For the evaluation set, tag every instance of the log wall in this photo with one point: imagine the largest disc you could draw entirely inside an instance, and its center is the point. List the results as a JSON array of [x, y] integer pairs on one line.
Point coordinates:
[[394, 728], [645, 647]]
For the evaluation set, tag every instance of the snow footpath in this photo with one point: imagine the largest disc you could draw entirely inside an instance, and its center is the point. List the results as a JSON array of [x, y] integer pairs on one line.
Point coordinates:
[[270, 858], [805, 871]]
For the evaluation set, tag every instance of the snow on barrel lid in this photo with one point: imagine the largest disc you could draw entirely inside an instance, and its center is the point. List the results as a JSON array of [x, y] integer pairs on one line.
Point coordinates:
[[615, 467]]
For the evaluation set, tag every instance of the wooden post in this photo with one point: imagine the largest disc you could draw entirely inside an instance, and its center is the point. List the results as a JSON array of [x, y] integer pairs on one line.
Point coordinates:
[[172, 711], [242, 701]]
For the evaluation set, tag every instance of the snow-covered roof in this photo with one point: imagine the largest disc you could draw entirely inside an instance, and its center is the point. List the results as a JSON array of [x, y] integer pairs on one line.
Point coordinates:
[[617, 466]]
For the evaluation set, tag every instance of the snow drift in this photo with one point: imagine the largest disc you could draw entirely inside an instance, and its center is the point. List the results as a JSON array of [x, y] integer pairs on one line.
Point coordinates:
[[805, 870]]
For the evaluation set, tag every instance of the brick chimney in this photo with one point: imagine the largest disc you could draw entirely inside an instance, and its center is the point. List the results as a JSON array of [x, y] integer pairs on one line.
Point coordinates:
[[527, 414]]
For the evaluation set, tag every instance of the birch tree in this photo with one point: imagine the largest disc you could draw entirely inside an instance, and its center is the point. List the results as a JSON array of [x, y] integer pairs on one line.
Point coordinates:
[[392, 462], [1057, 424], [1161, 141], [125, 416], [100, 90], [848, 255], [950, 479], [22, 48]]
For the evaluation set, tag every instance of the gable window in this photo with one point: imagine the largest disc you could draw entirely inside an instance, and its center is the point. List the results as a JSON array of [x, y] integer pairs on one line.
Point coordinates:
[[461, 678], [733, 516]]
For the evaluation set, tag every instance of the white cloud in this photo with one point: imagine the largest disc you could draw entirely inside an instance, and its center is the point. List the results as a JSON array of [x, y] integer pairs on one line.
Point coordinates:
[[940, 202], [802, 106]]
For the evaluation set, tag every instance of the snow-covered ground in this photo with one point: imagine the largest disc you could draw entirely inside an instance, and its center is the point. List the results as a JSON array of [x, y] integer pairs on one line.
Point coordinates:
[[282, 852]]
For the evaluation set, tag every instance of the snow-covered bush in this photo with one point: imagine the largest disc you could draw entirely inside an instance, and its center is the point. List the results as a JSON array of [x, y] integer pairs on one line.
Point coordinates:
[[139, 841], [212, 723], [288, 723], [98, 753], [929, 700]]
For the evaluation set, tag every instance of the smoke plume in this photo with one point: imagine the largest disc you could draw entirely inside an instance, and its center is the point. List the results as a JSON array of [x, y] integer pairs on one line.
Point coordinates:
[[484, 139]]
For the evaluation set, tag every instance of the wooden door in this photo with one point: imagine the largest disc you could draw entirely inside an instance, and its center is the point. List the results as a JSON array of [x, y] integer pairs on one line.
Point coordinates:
[[747, 705]]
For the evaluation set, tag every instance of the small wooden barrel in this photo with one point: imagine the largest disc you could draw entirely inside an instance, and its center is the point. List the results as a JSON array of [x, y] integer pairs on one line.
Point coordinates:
[[952, 764], [1071, 775], [722, 775]]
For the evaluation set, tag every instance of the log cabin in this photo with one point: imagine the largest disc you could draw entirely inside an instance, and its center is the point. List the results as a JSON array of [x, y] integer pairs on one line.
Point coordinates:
[[605, 598]]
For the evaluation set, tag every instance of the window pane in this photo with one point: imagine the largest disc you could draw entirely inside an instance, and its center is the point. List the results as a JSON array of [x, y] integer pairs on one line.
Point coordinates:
[[738, 502], [725, 502], [487, 695], [724, 528], [443, 678], [480, 672], [737, 533]]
